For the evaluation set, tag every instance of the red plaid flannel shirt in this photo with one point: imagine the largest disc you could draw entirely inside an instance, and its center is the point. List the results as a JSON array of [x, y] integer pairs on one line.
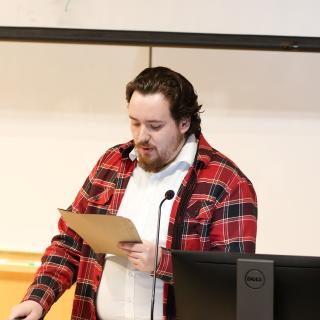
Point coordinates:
[[215, 209]]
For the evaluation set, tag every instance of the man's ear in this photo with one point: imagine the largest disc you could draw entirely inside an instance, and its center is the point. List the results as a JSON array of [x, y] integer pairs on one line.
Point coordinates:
[[184, 125]]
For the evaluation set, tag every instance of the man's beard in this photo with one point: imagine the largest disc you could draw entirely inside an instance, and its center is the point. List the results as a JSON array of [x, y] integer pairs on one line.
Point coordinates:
[[160, 161], [149, 164]]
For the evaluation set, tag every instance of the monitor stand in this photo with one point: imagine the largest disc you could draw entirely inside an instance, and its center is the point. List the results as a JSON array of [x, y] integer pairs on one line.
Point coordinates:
[[254, 289]]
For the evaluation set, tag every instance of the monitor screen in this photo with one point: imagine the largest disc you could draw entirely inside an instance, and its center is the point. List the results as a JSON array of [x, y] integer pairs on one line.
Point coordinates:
[[206, 285]]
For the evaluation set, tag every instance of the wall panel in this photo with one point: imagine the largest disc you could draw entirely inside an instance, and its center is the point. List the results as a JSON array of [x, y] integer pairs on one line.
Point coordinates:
[[61, 107], [262, 109]]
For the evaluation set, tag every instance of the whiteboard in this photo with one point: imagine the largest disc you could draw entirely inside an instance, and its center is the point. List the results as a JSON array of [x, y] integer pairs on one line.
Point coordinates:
[[273, 17]]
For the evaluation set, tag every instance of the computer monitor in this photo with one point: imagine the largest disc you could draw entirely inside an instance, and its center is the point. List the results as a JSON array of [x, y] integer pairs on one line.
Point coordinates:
[[206, 285]]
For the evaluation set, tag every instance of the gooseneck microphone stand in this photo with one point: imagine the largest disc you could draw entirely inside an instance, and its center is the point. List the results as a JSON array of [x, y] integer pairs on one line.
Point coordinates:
[[168, 196]]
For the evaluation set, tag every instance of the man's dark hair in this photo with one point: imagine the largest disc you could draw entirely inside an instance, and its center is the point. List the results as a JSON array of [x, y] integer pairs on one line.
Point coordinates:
[[176, 88]]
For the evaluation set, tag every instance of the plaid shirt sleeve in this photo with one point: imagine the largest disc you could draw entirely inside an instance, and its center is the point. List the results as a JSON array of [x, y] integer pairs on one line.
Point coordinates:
[[60, 262], [58, 269]]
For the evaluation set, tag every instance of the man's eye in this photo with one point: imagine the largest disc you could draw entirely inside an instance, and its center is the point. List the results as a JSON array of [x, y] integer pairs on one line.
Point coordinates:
[[155, 126]]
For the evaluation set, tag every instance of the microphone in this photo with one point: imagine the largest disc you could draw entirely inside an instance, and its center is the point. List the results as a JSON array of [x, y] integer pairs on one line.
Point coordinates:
[[167, 196]]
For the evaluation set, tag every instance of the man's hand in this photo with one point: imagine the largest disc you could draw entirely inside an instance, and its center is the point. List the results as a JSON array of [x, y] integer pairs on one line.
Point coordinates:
[[28, 310], [141, 255]]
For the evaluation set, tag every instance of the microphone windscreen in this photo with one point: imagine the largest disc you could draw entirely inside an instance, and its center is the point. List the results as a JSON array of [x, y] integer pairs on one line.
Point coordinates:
[[169, 194]]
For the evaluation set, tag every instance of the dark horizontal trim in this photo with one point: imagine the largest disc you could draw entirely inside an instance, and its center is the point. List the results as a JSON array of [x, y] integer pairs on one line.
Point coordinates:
[[165, 39]]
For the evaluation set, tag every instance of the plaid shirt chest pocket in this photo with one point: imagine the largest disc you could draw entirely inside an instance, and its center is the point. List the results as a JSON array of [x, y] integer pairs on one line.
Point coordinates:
[[102, 190], [101, 203], [197, 225]]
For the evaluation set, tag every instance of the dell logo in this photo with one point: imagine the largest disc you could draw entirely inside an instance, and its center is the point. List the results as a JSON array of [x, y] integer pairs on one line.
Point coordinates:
[[254, 279]]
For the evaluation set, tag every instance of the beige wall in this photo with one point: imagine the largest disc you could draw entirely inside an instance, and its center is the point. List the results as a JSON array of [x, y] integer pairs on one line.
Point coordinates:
[[62, 105], [262, 109]]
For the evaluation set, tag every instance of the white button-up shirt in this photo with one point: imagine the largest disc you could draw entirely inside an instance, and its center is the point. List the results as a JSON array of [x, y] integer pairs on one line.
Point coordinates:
[[124, 292]]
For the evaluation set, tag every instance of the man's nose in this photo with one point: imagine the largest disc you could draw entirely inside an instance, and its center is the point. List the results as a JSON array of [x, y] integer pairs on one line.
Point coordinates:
[[144, 135]]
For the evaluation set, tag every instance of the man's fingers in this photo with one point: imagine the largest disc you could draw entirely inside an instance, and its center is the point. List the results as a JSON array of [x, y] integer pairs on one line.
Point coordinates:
[[140, 255], [135, 255], [136, 263], [28, 310], [130, 247]]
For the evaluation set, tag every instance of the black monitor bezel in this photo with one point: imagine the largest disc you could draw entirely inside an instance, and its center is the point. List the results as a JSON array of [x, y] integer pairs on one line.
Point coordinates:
[[289, 274]]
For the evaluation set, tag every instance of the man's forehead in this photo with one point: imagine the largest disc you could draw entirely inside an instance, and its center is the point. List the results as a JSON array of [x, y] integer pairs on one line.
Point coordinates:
[[147, 118], [151, 107]]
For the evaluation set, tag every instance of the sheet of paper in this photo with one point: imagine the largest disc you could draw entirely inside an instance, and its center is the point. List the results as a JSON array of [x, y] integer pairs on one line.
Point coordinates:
[[102, 232]]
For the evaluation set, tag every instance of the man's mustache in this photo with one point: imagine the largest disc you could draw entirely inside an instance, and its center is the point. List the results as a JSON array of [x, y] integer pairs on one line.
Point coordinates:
[[143, 145]]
